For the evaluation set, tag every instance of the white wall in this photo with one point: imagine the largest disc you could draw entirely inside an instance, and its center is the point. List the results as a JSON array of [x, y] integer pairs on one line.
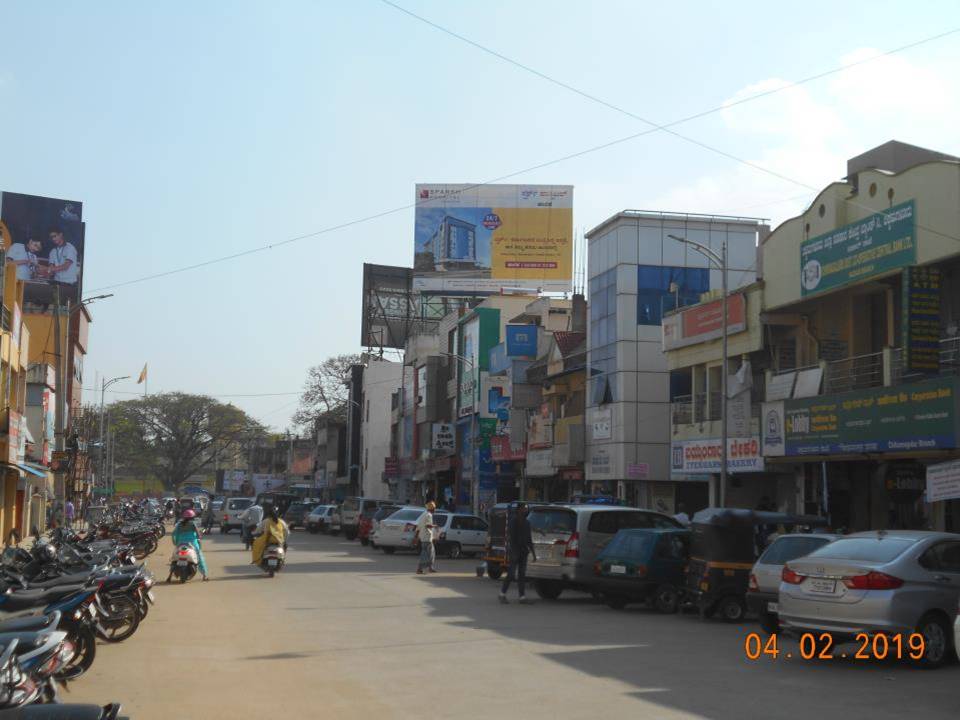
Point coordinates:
[[380, 379]]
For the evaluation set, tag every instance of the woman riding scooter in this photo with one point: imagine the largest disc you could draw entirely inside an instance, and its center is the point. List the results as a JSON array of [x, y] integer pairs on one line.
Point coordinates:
[[273, 531], [186, 531]]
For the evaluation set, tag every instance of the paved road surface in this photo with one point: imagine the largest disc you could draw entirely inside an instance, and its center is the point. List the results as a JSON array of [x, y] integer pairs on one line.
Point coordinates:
[[348, 632]]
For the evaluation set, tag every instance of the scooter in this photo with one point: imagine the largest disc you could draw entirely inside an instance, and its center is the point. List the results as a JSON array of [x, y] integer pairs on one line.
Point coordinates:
[[273, 559], [184, 563]]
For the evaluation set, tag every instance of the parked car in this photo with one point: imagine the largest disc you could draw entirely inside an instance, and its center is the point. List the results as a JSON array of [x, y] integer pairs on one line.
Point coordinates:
[[763, 591], [399, 531], [297, 513], [333, 523], [350, 512], [459, 534], [956, 632], [318, 520], [231, 511], [643, 566], [568, 538], [384, 511], [890, 582]]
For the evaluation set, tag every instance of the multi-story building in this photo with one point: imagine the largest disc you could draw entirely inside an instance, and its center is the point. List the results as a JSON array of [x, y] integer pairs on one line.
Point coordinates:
[[380, 378], [636, 273]]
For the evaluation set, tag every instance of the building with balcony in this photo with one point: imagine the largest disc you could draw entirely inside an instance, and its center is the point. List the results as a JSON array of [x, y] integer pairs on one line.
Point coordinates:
[[861, 323], [636, 274]]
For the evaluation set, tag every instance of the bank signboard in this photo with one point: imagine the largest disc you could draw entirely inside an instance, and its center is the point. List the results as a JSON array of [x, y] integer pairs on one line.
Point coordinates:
[[943, 481], [874, 246], [906, 418]]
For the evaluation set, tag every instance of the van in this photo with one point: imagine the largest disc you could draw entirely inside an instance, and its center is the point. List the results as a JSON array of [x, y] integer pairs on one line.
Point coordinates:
[[568, 538], [350, 512], [231, 511]]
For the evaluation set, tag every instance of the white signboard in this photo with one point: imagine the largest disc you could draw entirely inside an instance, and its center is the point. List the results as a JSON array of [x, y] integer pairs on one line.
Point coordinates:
[[443, 439], [808, 383], [600, 462], [601, 419], [771, 425], [738, 415], [780, 386], [540, 463], [703, 455], [943, 481]]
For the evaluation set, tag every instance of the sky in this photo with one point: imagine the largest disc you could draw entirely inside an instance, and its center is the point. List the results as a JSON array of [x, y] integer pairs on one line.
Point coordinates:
[[193, 131]]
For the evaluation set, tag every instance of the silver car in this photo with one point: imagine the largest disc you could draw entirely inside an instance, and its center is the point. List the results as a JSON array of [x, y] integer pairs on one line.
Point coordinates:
[[568, 538], [764, 588], [886, 582]]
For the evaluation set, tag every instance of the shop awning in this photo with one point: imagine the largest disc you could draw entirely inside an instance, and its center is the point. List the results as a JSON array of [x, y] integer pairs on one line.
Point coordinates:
[[26, 467]]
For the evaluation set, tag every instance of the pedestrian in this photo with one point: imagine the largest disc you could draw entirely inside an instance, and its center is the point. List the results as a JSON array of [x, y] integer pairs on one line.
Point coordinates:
[[68, 513], [519, 543], [425, 527]]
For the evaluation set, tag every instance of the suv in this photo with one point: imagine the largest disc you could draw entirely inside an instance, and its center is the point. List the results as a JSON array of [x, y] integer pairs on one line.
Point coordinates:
[[231, 511], [350, 513], [459, 534], [297, 513], [568, 539]]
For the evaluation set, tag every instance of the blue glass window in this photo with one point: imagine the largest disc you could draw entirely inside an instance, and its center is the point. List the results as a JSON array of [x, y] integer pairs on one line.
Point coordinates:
[[653, 290]]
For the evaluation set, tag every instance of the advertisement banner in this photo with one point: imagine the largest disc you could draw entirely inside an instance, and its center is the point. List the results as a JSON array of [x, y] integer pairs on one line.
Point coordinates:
[[704, 322], [389, 307], [482, 238], [703, 455], [443, 441], [502, 450], [14, 431], [540, 463], [943, 481], [469, 371], [920, 320], [44, 238], [873, 246], [601, 422], [919, 416], [494, 397], [771, 419], [600, 463], [540, 428], [521, 341]]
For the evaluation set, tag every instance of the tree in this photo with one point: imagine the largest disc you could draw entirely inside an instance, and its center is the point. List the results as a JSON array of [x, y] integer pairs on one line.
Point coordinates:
[[324, 393], [176, 435]]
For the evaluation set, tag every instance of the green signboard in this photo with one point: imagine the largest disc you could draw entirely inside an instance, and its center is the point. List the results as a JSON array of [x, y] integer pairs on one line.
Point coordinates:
[[917, 416], [864, 249], [920, 320]]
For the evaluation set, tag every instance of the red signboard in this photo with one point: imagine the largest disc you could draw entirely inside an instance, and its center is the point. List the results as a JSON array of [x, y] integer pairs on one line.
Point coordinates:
[[704, 322], [391, 467], [502, 451]]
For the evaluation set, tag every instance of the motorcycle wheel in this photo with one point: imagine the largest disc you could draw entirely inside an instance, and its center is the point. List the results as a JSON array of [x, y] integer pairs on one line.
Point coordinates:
[[86, 650], [122, 621]]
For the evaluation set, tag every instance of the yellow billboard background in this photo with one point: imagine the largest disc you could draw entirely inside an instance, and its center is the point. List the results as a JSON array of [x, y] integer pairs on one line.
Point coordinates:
[[532, 244]]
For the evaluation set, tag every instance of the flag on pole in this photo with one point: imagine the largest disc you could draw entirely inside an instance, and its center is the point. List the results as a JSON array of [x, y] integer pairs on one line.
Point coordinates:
[[143, 375]]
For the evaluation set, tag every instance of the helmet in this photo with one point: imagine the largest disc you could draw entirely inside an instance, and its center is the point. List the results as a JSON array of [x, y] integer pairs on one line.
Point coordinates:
[[188, 514], [48, 552]]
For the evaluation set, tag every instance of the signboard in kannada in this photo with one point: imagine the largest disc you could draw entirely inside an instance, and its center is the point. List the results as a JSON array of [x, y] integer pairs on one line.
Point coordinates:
[[943, 481], [865, 249], [919, 416], [703, 455], [704, 322], [920, 323], [476, 239], [443, 439]]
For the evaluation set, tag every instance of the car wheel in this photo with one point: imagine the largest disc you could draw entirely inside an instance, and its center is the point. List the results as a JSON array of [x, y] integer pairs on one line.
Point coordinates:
[[617, 602], [494, 571], [666, 599], [731, 609], [769, 623], [364, 541], [224, 530], [389, 550], [454, 551], [937, 642], [548, 589], [350, 535]]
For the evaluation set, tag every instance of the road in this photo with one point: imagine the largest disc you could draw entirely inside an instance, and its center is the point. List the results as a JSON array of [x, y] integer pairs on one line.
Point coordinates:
[[348, 632]]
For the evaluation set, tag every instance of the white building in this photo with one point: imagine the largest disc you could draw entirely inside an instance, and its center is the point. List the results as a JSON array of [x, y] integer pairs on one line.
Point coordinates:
[[637, 273], [380, 379]]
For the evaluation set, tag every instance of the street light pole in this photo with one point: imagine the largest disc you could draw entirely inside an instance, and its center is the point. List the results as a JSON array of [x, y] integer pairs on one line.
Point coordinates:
[[720, 261], [103, 390]]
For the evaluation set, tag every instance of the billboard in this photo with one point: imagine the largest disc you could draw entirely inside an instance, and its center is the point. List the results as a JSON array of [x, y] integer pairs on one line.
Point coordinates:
[[389, 308], [521, 340], [704, 322], [874, 246], [703, 455], [476, 239], [44, 238]]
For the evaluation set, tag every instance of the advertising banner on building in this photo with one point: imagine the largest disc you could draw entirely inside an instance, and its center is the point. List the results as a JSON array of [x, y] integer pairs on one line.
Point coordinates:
[[943, 481], [472, 239], [469, 369], [389, 307], [494, 396], [865, 249], [919, 416], [443, 441], [601, 422], [704, 322], [540, 428], [503, 450], [920, 320], [44, 238], [540, 463], [521, 341], [703, 455]]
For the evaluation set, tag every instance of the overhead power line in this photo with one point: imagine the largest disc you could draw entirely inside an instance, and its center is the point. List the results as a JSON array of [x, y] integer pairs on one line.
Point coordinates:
[[556, 161]]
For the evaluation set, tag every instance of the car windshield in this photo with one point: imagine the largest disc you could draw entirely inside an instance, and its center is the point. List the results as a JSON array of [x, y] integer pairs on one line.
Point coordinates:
[[867, 549], [407, 515], [785, 549], [553, 521], [627, 544]]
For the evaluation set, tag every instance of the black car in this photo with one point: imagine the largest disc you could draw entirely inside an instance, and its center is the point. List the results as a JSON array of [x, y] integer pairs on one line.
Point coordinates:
[[297, 513]]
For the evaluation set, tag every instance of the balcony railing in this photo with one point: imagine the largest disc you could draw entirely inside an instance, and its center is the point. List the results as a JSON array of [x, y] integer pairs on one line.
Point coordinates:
[[682, 409], [949, 362], [854, 373]]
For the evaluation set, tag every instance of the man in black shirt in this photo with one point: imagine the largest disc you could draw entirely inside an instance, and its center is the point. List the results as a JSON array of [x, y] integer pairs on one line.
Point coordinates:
[[518, 543]]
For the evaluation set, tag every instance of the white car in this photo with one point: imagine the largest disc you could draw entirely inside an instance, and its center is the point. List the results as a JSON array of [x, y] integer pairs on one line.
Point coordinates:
[[400, 529], [319, 518], [459, 534], [956, 631], [231, 511]]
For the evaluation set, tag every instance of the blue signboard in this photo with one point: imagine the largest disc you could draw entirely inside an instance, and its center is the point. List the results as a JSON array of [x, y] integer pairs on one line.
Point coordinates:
[[521, 340]]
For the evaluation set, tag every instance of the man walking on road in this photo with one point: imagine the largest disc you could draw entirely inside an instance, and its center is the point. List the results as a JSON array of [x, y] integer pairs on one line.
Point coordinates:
[[519, 543], [425, 535], [68, 513]]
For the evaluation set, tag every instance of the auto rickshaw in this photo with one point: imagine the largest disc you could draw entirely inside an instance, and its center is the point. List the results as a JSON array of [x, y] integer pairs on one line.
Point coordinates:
[[724, 545]]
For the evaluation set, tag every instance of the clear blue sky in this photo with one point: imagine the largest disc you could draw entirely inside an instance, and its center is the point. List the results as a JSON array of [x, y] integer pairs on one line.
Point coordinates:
[[194, 130]]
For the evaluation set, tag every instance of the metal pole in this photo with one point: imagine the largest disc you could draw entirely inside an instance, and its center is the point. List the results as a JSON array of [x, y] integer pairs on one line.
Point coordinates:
[[103, 390], [58, 484], [723, 385]]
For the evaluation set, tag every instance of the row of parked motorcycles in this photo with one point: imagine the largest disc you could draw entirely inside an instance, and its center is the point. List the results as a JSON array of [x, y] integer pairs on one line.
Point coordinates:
[[59, 599]]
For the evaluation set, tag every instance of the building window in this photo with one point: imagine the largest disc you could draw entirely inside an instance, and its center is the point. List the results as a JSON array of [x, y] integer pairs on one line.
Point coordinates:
[[603, 335], [661, 289]]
